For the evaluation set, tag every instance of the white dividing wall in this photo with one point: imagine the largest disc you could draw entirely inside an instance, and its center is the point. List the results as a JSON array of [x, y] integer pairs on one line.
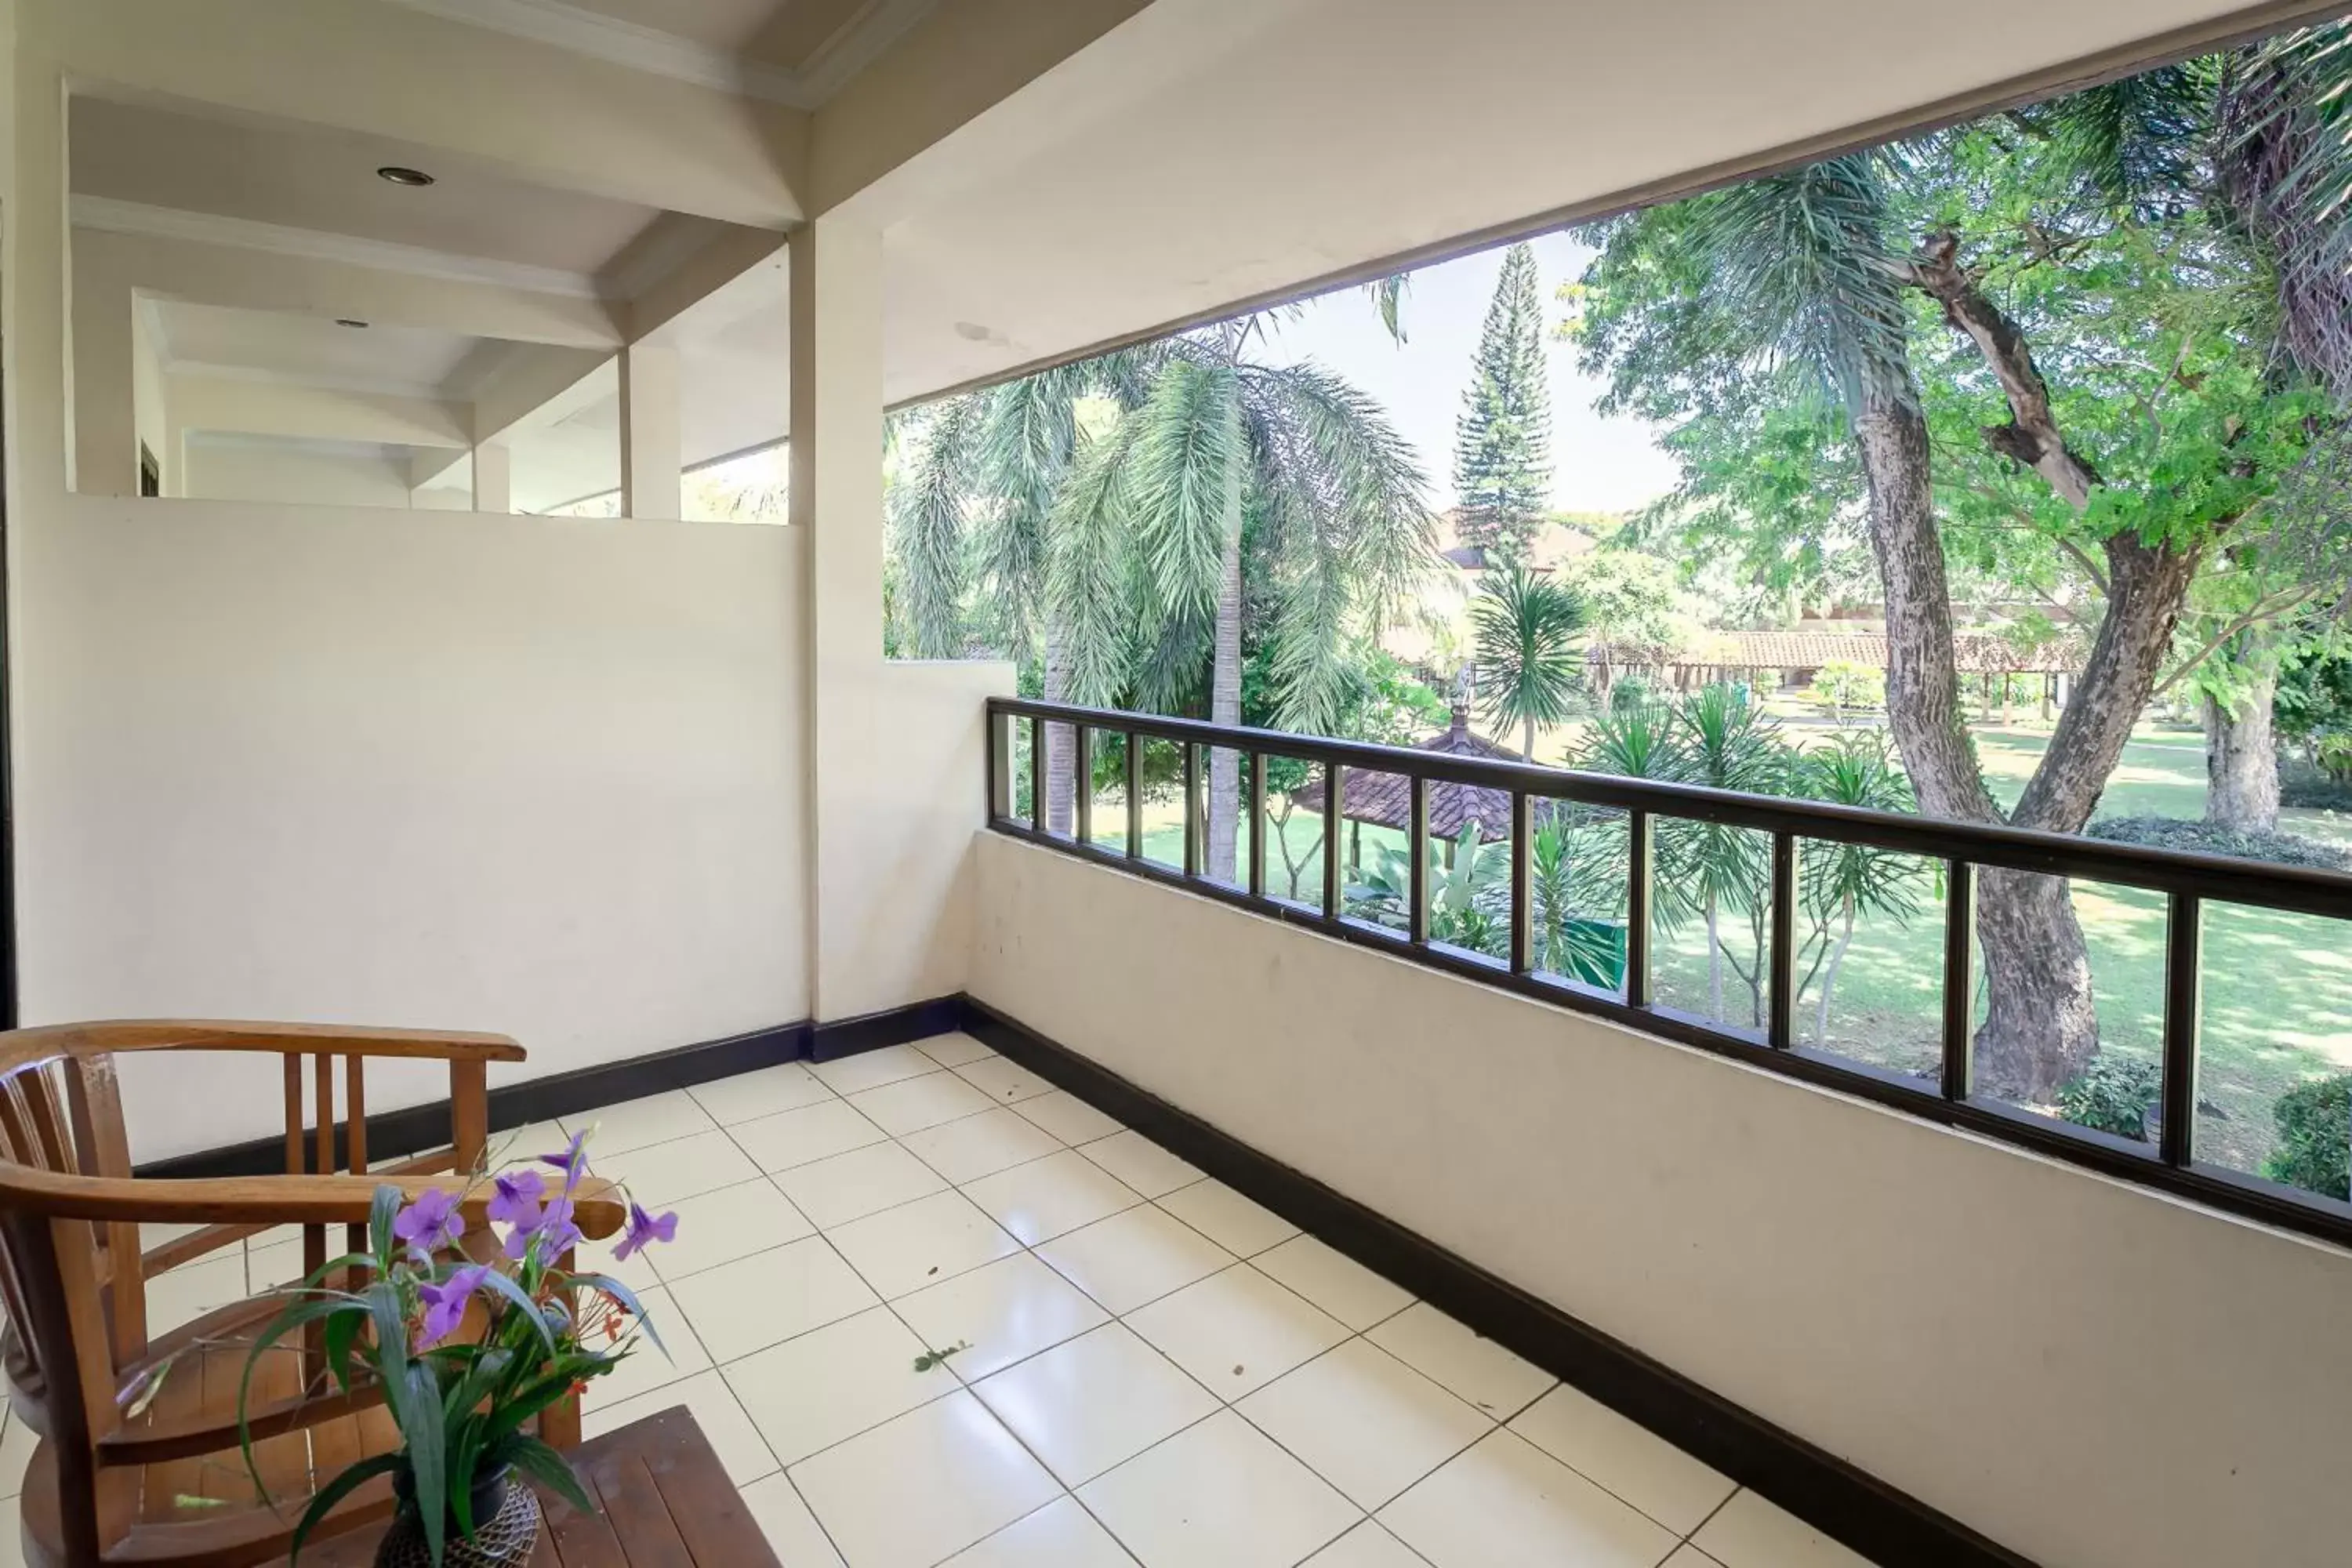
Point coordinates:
[[2092, 1374], [291, 474], [537, 776]]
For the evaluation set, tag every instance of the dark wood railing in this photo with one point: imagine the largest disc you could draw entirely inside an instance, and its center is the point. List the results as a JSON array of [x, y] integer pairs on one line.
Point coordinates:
[[2188, 883]]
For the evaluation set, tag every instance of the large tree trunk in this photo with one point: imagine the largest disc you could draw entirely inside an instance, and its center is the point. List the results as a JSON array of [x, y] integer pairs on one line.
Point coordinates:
[[2041, 1025], [1225, 692], [1061, 743], [1923, 681], [2242, 778]]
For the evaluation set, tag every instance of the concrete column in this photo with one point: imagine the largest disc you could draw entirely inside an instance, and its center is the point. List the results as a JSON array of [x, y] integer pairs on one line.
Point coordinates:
[[493, 478], [835, 497], [650, 460], [895, 751]]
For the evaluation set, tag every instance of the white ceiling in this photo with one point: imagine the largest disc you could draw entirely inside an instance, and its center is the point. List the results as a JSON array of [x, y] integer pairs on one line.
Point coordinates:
[[1205, 152], [309, 178], [1209, 151], [408, 362], [777, 32]]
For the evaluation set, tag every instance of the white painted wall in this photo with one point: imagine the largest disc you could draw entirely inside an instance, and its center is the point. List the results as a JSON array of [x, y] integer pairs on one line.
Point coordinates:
[[289, 474], [2094, 1375], [536, 775]]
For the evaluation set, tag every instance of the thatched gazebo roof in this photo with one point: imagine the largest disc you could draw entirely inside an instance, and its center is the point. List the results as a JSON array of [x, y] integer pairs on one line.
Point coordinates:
[[1386, 799]]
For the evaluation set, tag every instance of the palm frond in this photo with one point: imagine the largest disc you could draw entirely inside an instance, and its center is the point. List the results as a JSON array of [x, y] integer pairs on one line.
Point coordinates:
[[1311, 667], [1026, 432], [928, 514], [1800, 263], [1525, 629], [2286, 169], [2136, 143], [1340, 478], [1388, 298], [1170, 674], [1183, 458], [1087, 581]]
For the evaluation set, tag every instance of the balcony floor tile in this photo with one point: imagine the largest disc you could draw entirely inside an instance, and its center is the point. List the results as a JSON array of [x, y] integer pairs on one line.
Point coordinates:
[[836, 1223]]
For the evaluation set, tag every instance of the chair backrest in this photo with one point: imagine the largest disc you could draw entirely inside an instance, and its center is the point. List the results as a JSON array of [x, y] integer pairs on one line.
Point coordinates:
[[72, 1276], [74, 1287]]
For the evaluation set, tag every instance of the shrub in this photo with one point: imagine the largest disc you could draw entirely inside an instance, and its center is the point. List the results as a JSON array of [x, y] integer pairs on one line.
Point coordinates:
[[1631, 694], [2112, 1095], [1843, 687], [2314, 1142], [2205, 838], [2303, 783]]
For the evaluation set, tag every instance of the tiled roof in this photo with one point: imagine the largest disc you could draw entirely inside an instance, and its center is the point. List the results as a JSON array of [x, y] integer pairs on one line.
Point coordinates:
[[1386, 799], [1976, 652]]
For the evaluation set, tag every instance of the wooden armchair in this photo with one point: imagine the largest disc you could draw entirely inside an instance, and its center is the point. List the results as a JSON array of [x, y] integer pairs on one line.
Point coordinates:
[[127, 1471]]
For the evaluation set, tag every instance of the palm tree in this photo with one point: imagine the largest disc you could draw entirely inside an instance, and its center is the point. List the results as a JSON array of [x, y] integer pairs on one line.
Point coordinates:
[[1335, 496], [1843, 882], [1729, 742], [1711, 736], [978, 504], [1529, 669]]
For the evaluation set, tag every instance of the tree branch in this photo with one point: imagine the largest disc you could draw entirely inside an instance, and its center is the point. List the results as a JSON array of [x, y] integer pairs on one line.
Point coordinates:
[[2082, 559], [2268, 611], [2032, 436]]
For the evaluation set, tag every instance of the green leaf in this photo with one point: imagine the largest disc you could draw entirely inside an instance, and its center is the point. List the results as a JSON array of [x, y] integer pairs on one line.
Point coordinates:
[[382, 1210], [523, 1305], [535, 1458], [462, 1463], [414, 1393], [342, 1329], [300, 1313], [349, 1481], [416, 1404], [929, 1359]]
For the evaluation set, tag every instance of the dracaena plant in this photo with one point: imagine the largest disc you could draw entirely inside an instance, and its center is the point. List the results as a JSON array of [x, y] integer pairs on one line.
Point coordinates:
[[462, 1401]]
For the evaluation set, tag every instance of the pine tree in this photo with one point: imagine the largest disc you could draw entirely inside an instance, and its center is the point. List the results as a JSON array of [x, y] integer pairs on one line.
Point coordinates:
[[1502, 442]]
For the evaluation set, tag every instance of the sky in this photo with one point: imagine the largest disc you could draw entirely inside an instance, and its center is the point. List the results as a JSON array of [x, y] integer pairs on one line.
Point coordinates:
[[1598, 465]]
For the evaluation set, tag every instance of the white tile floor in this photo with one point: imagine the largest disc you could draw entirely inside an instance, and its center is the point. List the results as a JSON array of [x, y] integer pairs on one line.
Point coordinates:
[[1147, 1367]]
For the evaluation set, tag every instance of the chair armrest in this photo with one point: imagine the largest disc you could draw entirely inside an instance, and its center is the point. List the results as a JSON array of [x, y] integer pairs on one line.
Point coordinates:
[[285, 1039], [599, 1210]]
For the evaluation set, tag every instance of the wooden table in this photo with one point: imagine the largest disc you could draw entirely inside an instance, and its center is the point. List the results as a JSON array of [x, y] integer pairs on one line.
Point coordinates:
[[663, 1501]]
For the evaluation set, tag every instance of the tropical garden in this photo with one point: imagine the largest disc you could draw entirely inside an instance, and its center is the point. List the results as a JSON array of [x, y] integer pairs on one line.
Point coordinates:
[[2073, 372]]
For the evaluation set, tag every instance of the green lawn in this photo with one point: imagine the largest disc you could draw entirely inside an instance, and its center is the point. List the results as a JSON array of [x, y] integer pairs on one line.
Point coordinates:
[[2278, 988]]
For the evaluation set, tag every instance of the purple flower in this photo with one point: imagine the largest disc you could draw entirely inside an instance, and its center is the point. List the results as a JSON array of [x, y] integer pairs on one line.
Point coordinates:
[[557, 1234], [515, 1200], [642, 1229], [445, 1304], [573, 1162], [430, 1222], [553, 1223]]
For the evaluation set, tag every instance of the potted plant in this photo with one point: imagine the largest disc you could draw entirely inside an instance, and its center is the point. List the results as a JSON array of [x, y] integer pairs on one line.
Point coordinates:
[[534, 1333]]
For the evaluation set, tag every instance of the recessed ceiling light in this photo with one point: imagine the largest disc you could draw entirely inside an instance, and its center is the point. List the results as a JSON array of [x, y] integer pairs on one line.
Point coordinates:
[[349, 321], [399, 175]]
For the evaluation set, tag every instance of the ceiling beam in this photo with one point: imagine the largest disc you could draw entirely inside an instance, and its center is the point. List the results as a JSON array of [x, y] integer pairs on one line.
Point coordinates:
[[954, 65], [537, 387], [451, 90], [201, 273], [701, 275], [223, 406]]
